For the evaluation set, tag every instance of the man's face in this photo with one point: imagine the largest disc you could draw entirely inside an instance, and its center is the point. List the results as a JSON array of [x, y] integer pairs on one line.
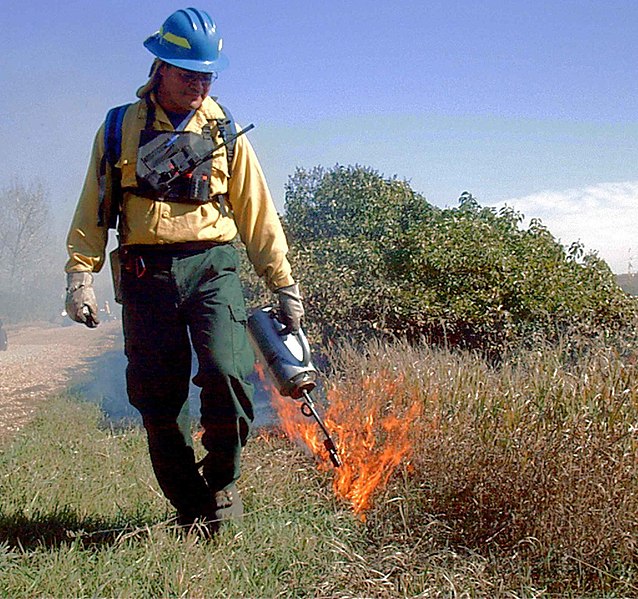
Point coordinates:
[[181, 90]]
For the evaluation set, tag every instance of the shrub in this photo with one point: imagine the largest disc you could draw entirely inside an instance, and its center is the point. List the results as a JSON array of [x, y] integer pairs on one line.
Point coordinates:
[[373, 256]]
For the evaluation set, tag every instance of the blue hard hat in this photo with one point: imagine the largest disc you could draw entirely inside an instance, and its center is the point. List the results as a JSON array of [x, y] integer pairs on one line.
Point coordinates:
[[188, 39]]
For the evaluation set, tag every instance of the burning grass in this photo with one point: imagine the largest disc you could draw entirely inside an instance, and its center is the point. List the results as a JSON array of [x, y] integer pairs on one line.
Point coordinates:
[[372, 419], [532, 465]]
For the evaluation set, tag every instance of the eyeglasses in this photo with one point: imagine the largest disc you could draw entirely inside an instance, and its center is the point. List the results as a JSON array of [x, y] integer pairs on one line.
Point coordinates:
[[191, 77]]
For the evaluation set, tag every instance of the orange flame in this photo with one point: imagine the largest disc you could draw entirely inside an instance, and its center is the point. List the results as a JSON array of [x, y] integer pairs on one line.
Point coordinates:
[[370, 422]]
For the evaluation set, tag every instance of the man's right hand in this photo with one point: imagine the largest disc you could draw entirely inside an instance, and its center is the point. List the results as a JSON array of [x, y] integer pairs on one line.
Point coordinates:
[[81, 303]]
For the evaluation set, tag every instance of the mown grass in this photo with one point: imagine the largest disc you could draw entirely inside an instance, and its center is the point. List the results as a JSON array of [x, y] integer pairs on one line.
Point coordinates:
[[81, 516], [522, 483]]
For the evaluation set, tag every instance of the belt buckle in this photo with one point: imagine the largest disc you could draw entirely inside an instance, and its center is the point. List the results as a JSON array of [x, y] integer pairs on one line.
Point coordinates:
[[133, 263], [139, 267]]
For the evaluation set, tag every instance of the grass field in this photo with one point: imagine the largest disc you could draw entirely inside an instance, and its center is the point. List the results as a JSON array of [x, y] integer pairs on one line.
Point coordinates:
[[517, 481]]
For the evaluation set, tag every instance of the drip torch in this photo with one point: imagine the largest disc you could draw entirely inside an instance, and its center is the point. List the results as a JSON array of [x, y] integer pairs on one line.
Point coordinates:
[[286, 357]]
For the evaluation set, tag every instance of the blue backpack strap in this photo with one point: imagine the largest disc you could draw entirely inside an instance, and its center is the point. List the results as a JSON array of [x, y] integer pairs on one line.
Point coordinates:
[[108, 211], [227, 127]]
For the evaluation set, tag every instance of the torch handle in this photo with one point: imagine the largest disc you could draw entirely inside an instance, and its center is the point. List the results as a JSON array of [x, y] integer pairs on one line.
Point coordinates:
[[299, 335]]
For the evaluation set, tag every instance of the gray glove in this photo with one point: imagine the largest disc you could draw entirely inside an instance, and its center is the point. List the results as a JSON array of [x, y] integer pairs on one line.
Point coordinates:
[[81, 303], [290, 308]]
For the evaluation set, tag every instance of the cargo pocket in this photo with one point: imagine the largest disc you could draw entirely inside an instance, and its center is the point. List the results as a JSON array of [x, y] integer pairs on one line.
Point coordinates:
[[239, 313], [243, 354]]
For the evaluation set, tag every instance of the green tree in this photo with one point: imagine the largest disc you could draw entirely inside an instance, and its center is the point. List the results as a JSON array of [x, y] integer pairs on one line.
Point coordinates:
[[373, 256], [341, 223]]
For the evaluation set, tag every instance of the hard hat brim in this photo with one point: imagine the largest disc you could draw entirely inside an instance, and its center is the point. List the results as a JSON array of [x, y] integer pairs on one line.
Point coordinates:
[[153, 45]]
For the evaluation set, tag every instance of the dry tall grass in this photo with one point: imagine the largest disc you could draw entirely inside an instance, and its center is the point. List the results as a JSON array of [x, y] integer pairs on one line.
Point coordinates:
[[531, 464]]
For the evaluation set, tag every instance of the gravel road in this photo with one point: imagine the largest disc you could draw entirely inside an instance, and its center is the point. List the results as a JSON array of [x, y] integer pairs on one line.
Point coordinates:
[[43, 360]]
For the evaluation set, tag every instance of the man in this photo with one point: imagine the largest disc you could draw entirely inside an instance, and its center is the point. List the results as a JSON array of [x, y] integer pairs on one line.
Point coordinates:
[[180, 289]]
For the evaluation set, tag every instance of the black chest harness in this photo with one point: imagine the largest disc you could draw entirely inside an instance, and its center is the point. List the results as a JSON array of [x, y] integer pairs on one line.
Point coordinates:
[[171, 166]]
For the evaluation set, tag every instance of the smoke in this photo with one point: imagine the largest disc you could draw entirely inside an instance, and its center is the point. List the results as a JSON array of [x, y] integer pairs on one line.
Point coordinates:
[[105, 385]]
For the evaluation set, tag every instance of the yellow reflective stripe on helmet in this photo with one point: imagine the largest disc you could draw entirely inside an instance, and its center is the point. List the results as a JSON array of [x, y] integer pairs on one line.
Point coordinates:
[[175, 39]]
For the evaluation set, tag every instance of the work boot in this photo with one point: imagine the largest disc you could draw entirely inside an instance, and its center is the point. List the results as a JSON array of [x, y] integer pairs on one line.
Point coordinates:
[[205, 525], [228, 504]]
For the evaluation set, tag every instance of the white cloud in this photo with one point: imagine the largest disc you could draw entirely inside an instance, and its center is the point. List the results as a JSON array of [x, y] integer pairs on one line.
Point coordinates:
[[603, 217]]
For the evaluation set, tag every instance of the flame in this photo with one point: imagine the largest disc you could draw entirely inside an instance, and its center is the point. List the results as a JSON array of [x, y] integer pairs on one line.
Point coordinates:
[[373, 436], [294, 425], [370, 421]]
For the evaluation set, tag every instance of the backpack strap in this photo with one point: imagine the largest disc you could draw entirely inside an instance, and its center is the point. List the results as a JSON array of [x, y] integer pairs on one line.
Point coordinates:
[[109, 208], [227, 127]]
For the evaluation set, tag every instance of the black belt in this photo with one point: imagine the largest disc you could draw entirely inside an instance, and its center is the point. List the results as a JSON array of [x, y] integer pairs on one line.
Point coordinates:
[[140, 258], [171, 248]]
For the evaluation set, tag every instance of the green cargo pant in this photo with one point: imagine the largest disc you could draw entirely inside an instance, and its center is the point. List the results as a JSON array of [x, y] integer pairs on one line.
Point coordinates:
[[167, 296]]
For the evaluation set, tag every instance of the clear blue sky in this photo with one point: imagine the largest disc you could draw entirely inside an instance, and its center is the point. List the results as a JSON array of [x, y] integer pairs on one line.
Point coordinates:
[[527, 103]]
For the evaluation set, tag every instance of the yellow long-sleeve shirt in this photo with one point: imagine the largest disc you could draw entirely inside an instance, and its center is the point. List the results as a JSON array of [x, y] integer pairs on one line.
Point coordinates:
[[251, 211]]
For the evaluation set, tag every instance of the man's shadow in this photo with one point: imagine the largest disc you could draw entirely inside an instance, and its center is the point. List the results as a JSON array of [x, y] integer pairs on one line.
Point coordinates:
[[64, 525]]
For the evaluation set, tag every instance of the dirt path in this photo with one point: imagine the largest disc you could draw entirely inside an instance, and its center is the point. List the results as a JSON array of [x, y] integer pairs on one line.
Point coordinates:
[[41, 361]]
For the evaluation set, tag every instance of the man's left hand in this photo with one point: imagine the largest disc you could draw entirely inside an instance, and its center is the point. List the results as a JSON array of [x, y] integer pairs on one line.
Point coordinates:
[[290, 308]]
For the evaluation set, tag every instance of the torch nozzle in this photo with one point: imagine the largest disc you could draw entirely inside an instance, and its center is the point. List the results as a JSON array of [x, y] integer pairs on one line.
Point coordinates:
[[332, 452], [308, 409]]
